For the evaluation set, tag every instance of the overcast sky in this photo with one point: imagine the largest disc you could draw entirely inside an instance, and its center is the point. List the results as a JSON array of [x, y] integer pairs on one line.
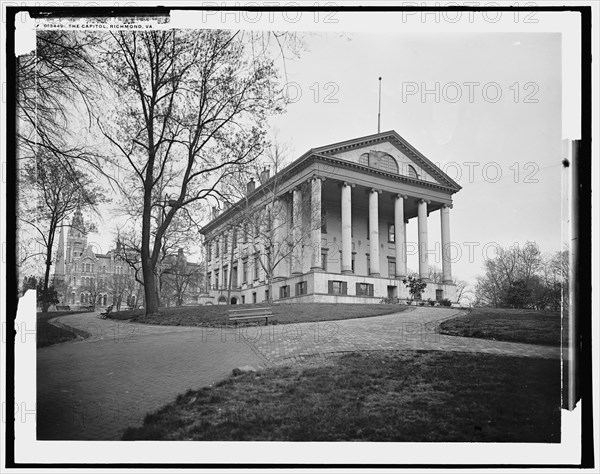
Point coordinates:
[[492, 121]]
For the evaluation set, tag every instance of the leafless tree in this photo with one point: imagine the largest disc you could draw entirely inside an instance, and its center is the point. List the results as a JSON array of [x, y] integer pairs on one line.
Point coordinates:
[[266, 227], [54, 195], [191, 107]]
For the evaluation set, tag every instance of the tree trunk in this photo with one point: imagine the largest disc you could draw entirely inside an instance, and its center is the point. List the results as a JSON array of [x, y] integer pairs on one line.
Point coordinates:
[[45, 303], [150, 291]]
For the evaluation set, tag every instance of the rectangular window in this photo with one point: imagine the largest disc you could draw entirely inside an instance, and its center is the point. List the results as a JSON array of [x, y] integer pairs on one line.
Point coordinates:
[[392, 267], [256, 266], [234, 239], [225, 275], [217, 245], [368, 264], [266, 295], [245, 271], [337, 287], [301, 288], [353, 262], [217, 280], [209, 251], [391, 233], [364, 289], [324, 260], [439, 295], [323, 223], [243, 299], [284, 291], [209, 280], [225, 243], [254, 297], [245, 233]]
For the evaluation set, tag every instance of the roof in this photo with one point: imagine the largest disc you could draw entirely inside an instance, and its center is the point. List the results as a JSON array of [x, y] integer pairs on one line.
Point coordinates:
[[328, 151]]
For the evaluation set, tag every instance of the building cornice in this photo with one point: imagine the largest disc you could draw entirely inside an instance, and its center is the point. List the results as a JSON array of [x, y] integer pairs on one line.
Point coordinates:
[[312, 158]]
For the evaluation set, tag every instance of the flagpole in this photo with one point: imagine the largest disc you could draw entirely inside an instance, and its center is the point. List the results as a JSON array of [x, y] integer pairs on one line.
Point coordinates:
[[379, 112]]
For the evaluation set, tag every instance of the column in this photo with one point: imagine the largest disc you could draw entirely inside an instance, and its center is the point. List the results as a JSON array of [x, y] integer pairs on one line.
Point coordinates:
[[374, 230], [347, 227], [400, 235], [297, 231], [279, 237], [422, 224], [315, 225], [239, 235], [404, 251], [446, 264]]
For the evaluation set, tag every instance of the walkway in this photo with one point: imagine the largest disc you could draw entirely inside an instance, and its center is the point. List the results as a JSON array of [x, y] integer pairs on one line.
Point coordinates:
[[96, 387]]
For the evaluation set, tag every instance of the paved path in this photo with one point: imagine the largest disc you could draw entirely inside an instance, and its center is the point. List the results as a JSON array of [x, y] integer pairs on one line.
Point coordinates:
[[96, 387], [415, 329]]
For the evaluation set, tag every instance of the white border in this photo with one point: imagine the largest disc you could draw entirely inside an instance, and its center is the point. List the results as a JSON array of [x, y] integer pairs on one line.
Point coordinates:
[[30, 450]]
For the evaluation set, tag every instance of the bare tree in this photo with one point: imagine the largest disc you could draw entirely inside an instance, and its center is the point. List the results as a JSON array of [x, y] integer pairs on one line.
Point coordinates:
[[57, 85], [436, 276], [182, 279], [521, 277], [190, 107], [267, 227], [54, 196]]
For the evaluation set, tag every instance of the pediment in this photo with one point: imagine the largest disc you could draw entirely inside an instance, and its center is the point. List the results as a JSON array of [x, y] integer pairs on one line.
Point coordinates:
[[375, 151]]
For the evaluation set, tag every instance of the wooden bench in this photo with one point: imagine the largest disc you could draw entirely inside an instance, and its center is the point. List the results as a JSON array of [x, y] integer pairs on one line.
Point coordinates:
[[105, 314], [250, 313]]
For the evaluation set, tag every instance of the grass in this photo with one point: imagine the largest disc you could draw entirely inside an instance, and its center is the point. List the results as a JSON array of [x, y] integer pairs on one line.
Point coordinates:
[[514, 325], [48, 334], [415, 396], [217, 315]]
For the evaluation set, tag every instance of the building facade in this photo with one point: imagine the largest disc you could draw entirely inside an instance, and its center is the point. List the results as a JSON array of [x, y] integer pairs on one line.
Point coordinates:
[[84, 278], [331, 227]]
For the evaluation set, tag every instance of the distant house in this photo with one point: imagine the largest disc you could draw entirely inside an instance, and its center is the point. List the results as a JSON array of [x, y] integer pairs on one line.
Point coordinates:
[[336, 227]]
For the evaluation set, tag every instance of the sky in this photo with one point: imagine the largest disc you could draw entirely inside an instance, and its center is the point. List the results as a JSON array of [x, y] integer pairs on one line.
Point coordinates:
[[485, 107]]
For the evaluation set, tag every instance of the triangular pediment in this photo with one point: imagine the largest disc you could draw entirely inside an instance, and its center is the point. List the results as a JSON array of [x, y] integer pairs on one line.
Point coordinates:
[[374, 151]]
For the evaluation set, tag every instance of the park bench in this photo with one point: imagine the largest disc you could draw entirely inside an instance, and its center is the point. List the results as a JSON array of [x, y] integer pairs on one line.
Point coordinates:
[[107, 312], [250, 313], [63, 308]]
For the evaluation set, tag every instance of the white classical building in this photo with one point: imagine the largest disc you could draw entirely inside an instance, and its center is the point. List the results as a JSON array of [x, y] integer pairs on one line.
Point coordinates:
[[338, 227]]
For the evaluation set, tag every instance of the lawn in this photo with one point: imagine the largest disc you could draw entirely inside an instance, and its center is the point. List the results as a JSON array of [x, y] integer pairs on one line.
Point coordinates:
[[217, 315], [48, 334], [514, 325], [415, 396]]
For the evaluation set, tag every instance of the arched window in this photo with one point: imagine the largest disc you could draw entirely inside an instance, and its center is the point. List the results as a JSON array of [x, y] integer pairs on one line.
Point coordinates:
[[72, 297], [387, 163], [412, 173], [379, 160]]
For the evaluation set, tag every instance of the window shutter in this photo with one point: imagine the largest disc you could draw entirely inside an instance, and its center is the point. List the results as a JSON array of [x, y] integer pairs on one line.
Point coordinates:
[[330, 286], [344, 288]]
